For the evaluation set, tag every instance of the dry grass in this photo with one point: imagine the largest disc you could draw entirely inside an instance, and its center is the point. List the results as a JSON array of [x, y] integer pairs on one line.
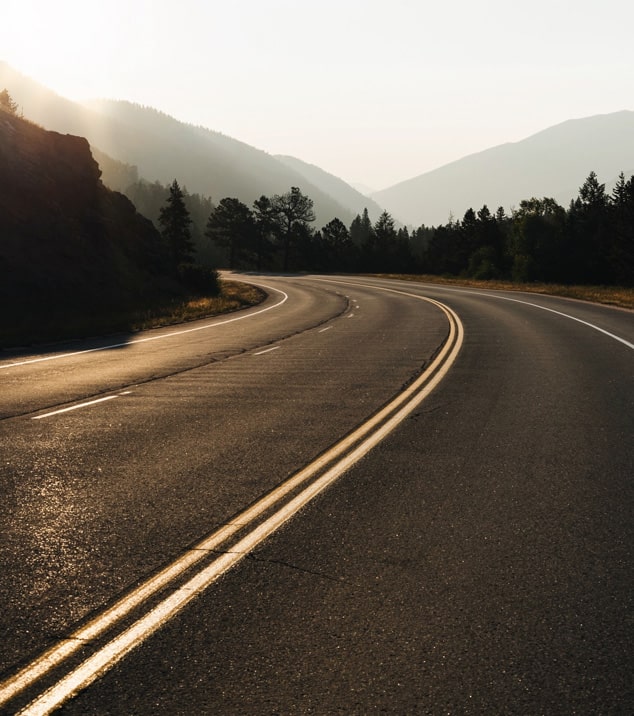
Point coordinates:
[[29, 329], [609, 295], [233, 296]]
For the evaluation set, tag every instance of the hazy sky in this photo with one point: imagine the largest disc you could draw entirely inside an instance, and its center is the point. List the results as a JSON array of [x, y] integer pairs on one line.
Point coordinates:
[[373, 91]]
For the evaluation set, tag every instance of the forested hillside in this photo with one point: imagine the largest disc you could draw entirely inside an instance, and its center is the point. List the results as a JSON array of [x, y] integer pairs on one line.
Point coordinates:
[[207, 163], [266, 213]]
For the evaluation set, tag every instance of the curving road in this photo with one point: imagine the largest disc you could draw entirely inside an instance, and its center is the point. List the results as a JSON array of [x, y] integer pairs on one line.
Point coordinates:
[[474, 557]]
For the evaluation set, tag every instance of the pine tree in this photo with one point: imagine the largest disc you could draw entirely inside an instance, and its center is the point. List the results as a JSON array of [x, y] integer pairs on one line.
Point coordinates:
[[591, 232], [292, 213], [361, 229], [175, 226], [7, 104], [232, 226], [621, 256]]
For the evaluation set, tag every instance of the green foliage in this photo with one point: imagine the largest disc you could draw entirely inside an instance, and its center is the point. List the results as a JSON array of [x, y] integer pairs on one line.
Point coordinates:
[[361, 229], [384, 230], [149, 199], [175, 221], [199, 280], [385, 248], [337, 250], [621, 250], [483, 264], [539, 241], [263, 215], [592, 195], [232, 226], [7, 104], [336, 234], [592, 242], [291, 213]]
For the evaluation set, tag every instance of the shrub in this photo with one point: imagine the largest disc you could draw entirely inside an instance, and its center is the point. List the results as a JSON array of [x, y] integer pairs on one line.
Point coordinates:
[[200, 280]]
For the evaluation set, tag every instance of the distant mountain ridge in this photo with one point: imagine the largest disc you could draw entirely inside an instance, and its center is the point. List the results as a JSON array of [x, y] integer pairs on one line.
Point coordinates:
[[163, 148], [554, 163]]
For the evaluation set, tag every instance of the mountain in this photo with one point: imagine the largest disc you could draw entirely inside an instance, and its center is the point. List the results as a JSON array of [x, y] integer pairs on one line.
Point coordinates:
[[331, 185], [363, 189], [68, 245], [162, 148], [554, 163]]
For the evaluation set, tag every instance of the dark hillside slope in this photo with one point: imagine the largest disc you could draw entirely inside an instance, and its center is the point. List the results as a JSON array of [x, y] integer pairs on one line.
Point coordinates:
[[68, 245], [163, 148], [206, 162]]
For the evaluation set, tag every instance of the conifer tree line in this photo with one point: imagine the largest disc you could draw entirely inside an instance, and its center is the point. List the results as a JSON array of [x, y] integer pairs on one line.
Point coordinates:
[[592, 241], [152, 198]]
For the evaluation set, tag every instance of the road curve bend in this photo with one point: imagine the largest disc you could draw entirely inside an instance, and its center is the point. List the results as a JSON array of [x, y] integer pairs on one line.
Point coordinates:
[[473, 555]]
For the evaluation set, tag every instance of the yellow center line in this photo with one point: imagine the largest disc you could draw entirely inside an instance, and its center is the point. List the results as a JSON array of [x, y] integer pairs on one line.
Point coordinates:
[[95, 665]]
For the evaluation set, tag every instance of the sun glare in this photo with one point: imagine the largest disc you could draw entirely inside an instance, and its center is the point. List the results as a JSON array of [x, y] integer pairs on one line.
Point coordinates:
[[62, 45]]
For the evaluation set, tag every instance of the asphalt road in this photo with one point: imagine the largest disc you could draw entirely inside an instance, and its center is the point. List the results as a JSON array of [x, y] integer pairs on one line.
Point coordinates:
[[477, 560]]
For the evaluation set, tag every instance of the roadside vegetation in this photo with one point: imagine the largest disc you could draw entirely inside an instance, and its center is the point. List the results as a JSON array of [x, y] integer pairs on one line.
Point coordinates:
[[29, 328], [233, 296], [77, 259], [620, 296], [589, 243]]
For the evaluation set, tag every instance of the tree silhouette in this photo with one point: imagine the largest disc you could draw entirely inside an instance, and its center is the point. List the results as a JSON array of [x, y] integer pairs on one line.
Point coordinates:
[[232, 226], [537, 240], [265, 230], [622, 248], [7, 104], [175, 221], [292, 213], [337, 248], [589, 224], [361, 229]]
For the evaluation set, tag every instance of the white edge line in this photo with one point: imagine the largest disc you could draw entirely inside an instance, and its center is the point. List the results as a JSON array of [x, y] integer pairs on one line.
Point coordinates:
[[499, 298], [113, 652], [559, 313], [57, 654], [155, 338], [268, 350], [74, 407]]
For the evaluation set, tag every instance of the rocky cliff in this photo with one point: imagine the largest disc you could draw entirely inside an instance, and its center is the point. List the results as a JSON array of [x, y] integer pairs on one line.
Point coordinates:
[[68, 245]]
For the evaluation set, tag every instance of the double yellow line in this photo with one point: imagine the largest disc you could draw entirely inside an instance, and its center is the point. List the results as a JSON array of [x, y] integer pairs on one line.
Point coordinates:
[[259, 521]]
